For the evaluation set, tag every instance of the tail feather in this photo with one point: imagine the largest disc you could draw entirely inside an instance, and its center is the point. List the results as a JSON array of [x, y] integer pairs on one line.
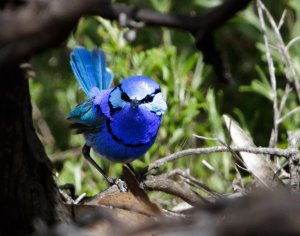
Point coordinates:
[[99, 66], [108, 79], [90, 69]]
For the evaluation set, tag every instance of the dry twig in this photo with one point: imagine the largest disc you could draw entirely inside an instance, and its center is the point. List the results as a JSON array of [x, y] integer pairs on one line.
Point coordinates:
[[274, 135], [294, 161], [207, 150], [290, 70]]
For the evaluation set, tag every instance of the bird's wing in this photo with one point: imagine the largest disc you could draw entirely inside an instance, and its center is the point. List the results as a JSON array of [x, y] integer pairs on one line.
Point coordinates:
[[86, 116], [90, 69]]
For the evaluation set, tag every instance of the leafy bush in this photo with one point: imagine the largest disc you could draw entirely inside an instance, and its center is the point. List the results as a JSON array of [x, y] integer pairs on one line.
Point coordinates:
[[195, 98]]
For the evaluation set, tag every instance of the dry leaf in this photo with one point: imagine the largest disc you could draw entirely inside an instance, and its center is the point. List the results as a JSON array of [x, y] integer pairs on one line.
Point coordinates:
[[257, 164]]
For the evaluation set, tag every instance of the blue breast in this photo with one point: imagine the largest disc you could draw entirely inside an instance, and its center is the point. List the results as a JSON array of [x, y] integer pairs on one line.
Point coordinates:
[[114, 149], [134, 126], [125, 136]]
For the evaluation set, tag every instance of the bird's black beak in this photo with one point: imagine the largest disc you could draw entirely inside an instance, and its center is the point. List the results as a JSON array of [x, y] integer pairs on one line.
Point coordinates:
[[134, 103]]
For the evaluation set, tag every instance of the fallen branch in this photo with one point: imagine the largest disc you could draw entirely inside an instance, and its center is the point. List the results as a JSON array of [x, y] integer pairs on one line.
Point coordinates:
[[193, 182], [163, 184]]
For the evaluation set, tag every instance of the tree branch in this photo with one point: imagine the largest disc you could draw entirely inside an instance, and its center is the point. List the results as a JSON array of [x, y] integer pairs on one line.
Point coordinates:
[[163, 184], [39, 25], [198, 151], [187, 22], [294, 162], [201, 26]]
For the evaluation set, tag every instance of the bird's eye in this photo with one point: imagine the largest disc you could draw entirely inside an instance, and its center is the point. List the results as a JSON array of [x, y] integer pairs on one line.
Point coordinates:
[[125, 97], [148, 98]]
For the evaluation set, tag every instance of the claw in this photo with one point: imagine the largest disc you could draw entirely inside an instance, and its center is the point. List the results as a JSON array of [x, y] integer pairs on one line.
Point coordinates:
[[121, 185]]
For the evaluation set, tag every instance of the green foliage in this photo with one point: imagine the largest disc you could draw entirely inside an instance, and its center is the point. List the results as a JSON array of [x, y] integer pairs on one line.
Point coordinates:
[[196, 100]]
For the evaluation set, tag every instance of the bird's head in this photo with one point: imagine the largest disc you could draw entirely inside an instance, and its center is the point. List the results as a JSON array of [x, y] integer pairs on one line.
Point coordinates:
[[138, 91]]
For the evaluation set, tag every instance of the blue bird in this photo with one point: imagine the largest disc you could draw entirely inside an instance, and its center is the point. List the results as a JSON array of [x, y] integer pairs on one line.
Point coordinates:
[[119, 123]]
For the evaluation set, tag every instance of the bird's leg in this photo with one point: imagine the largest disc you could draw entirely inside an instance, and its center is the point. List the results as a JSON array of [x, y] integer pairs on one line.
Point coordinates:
[[121, 184], [86, 153]]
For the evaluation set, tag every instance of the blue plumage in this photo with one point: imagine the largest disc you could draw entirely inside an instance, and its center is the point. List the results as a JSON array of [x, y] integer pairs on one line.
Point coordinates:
[[119, 123]]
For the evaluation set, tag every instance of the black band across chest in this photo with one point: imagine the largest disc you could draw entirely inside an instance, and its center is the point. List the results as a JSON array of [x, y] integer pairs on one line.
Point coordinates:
[[119, 140]]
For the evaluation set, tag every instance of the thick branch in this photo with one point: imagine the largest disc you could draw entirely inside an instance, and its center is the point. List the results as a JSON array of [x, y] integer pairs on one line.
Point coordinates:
[[206, 21], [38, 25], [201, 25]]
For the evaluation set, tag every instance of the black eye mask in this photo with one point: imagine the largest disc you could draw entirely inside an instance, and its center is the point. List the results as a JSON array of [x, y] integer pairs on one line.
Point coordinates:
[[147, 99]]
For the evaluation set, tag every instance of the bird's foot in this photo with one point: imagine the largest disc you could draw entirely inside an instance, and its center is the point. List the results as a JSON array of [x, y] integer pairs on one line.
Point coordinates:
[[121, 185], [140, 179], [142, 185], [118, 182]]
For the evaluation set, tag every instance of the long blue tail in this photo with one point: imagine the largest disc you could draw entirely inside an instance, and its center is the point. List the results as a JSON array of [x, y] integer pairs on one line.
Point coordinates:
[[90, 69]]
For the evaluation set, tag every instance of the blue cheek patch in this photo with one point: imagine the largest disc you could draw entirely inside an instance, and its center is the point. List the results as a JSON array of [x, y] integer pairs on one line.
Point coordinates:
[[115, 98], [157, 106]]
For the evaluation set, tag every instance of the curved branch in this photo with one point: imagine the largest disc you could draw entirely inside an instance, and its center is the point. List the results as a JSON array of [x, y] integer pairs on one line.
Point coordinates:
[[163, 184], [39, 25], [193, 23], [201, 26]]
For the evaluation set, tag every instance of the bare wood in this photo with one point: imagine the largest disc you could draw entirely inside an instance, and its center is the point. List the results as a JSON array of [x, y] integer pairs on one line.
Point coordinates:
[[208, 150], [193, 181], [162, 183], [284, 55], [294, 162], [274, 134], [291, 112]]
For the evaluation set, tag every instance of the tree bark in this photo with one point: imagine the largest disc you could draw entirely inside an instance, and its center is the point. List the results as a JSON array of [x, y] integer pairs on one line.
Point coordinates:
[[28, 190]]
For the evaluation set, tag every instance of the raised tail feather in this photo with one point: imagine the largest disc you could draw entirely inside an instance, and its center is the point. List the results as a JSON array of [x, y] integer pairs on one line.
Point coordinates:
[[90, 69]]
